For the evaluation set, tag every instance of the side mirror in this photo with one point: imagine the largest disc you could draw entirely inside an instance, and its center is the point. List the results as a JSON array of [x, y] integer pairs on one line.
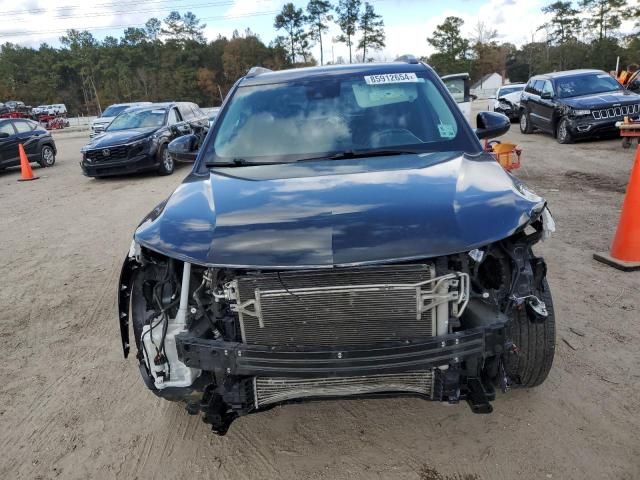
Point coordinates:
[[491, 125], [4, 135], [184, 149], [546, 95]]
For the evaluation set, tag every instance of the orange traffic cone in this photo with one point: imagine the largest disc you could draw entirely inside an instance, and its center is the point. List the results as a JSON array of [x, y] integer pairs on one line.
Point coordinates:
[[625, 249], [26, 173]]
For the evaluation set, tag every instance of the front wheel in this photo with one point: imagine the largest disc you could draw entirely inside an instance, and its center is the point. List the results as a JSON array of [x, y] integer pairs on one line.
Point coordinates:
[[167, 165], [563, 134], [534, 342], [47, 157], [525, 122]]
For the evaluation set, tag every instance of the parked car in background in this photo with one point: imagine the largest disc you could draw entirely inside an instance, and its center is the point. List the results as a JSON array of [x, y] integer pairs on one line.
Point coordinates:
[[137, 139], [38, 143], [507, 100], [212, 114], [100, 124], [458, 85], [342, 234], [576, 104]]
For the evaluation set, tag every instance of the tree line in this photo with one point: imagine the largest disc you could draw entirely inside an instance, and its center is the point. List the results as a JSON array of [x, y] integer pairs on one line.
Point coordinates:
[[170, 59], [581, 34], [165, 60], [304, 29]]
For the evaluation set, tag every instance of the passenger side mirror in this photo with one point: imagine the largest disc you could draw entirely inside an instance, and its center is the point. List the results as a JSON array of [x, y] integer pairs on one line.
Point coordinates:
[[184, 148], [491, 125], [546, 95]]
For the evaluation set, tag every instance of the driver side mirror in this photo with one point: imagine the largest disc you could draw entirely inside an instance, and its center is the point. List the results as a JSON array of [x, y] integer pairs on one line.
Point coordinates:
[[184, 148], [546, 95], [491, 125]]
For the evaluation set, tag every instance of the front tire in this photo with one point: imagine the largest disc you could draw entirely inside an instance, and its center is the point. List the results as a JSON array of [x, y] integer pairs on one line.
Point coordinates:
[[563, 135], [47, 157], [525, 123], [167, 165], [535, 344]]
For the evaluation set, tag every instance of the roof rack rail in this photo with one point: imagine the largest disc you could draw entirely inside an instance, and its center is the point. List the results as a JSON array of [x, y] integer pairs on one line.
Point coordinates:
[[255, 71], [407, 59]]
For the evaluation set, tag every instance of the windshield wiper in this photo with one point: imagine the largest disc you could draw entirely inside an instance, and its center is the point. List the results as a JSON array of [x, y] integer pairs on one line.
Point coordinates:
[[349, 154], [238, 162]]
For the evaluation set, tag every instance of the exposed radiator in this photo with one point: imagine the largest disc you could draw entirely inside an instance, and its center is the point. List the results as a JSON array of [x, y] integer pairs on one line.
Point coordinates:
[[274, 390], [358, 306]]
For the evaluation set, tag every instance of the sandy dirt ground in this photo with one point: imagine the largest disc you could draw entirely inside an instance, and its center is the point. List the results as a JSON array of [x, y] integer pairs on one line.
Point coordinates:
[[72, 408]]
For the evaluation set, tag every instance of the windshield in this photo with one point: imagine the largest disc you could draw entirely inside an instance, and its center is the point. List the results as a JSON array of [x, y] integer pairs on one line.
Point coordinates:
[[456, 88], [589, 84], [287, 122], [138, 119], [114, 110], [507, 90]]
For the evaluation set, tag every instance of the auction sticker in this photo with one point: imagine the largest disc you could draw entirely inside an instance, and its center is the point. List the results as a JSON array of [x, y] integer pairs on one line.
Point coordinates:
[[391, 78]]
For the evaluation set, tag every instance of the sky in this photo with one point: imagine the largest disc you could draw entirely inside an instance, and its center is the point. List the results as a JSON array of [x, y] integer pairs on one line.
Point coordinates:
[[407, 22]]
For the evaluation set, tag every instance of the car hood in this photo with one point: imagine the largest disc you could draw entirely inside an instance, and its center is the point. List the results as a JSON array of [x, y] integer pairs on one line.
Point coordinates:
[[513, 97], [602, 100], [335, 213], [119, 137]]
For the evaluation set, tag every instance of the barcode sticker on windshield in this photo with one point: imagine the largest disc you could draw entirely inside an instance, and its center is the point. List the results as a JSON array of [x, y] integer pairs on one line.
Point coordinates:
[[391, 78]]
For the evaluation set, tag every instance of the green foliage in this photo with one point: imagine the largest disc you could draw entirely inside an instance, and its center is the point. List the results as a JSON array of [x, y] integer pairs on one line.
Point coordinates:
[[348, 12], [291, 20], [372, 35], [605, 16], [452, 48], [166, 60], [317, 17]]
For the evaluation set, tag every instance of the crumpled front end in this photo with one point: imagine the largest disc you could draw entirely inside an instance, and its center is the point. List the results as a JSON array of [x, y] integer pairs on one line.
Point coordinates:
[[229, 341]]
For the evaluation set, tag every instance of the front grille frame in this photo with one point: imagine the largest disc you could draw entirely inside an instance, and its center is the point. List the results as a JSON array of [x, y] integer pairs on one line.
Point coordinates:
[[116, 152], [614, 113]]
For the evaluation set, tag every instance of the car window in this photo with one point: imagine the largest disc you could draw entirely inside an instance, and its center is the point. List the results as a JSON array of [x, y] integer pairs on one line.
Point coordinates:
[[174, 117], [538, 86], [6, 127], [586, 84], [197, 113], [114, 110], [152, 118], [547, 87], [509, 89], [23, 126], [185, 111], [456, 88], [291, 121]]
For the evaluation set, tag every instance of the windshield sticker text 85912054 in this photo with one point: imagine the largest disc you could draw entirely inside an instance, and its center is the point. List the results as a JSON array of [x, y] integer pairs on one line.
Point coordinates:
[[390, 78]]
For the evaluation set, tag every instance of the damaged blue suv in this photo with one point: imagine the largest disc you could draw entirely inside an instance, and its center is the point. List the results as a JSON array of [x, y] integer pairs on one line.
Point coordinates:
[[342, 234]]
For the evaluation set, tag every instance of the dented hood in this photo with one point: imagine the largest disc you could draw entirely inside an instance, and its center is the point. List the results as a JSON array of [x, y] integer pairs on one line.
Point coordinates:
[[328, 213]]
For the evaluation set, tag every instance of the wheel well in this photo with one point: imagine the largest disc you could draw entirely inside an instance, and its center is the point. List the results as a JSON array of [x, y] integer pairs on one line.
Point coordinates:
[[49, 144]]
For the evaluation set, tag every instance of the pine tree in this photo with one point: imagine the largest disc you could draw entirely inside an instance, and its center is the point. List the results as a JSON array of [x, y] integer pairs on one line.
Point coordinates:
[[318, 15], [291, 19], [348, 14], [372, 28]]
